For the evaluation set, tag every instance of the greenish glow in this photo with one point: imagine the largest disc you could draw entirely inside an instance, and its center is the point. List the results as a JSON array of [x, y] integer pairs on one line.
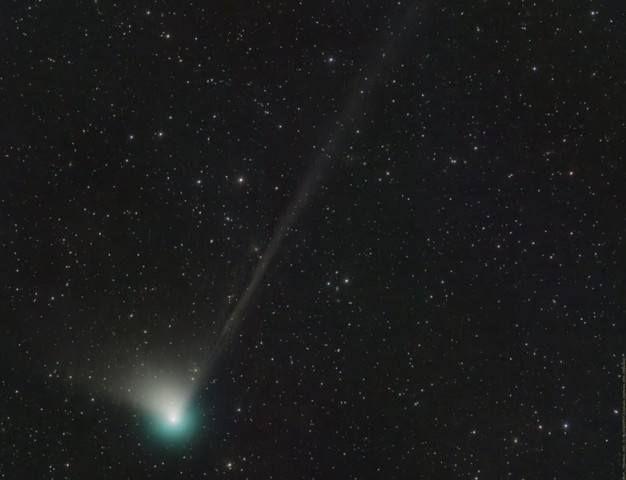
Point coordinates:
[[176, 426], [170, 413]]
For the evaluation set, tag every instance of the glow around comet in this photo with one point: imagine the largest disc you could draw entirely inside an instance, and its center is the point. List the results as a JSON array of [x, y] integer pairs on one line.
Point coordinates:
[[167, 402]]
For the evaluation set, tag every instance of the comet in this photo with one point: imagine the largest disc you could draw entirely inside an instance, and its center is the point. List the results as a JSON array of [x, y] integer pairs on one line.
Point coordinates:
[[168, 398]]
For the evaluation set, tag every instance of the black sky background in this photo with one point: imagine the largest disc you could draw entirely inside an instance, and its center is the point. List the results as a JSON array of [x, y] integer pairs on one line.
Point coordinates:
[[450, 303]]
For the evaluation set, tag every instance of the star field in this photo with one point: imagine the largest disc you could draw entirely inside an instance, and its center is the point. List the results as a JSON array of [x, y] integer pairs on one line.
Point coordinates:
[[329, 239]]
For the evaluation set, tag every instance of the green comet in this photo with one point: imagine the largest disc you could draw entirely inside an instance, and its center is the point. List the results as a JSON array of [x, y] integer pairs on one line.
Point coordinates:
[[172, 416], [175, 426]]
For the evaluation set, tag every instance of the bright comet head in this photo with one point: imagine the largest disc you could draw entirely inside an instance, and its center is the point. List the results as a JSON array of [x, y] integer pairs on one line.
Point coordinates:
[[166, 401]]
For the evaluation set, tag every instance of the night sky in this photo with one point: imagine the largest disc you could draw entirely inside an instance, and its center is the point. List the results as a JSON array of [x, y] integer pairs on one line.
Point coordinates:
[[312, 239]]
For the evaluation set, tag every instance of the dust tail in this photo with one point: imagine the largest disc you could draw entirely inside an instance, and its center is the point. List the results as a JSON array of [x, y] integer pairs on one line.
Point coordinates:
[[385, 50]]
